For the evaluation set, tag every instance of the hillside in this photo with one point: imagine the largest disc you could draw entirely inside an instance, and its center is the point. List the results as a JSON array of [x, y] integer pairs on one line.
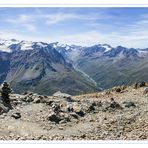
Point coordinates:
[[120, 113], [38, 67], [109, 66]]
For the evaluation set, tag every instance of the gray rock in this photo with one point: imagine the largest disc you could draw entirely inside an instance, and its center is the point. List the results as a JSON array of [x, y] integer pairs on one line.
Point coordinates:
[[54, 118], [139, 84], [16, 115], [3, 108], [59, 94], [61, 128], [113, 105], [55, 108], [118, 89], [74, 115], [129, 104], [142, 84], [145, 90], [29, 99], [37, 100], [92, 107]]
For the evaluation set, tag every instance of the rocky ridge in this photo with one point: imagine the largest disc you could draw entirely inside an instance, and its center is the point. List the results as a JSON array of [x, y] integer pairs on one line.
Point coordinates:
[[116, 114]]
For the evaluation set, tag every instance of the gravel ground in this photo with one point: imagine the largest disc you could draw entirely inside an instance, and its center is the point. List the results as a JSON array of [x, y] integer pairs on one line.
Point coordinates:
[[87, 117]]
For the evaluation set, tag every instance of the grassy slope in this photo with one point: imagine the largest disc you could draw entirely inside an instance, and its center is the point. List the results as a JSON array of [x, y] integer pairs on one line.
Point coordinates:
[[69, 82], [108, 73]]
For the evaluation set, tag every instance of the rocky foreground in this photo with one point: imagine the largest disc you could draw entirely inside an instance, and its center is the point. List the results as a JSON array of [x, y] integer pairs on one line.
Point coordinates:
[[117, 114]]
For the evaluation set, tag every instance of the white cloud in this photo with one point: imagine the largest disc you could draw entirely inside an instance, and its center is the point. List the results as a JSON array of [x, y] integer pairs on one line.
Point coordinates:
[[134, 34], [17, 34], [30, 27], [26, 21], [54, 18], [114, 39], [22, 18], [86, 38], [59, 17]]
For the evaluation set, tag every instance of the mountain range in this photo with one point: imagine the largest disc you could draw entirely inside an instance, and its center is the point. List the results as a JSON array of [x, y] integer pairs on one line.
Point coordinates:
[[48, 67], [109, 66]]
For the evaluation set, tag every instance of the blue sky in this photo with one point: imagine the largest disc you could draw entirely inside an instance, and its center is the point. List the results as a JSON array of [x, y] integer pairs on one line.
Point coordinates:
[[82, 26]]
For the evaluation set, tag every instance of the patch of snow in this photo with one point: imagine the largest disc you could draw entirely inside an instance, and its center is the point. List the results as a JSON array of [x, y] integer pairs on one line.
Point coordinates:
[[61, 45], [41, 44], [3, 48], [67, 48], [26, 45], [142, 52], [107, 48], [54, 45], [4, 44]]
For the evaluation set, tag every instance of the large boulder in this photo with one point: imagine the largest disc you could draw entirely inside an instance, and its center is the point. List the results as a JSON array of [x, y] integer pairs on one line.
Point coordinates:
[[78, 109], [53, 117], [58, 118], [59, 94]]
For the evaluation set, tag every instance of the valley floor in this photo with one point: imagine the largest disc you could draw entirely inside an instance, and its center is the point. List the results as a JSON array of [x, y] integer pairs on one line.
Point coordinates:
[[85, 117]]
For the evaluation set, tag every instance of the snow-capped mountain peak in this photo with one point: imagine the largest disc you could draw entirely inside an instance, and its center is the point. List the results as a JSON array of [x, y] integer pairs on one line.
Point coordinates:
[[13, 44], [26, 45], [107, 47], [72, 51], [5, 44]]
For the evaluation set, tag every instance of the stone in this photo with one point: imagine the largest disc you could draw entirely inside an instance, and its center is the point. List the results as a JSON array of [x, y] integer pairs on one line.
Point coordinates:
[[3, 108], [62, 122], [145, 90], [10, 128], [55, 108], [76, 107], [129, 104], [54, 118], [123, 87], [59, 94], [136, 85], [74, 115], [61, 128], [92, 107], [142, 84], [27, 99], [113, 105], [118, 89], [64, 117], [83, 136], [28, 93], [139, 84], [16, 115], [37, 100], [69, 99], [81, 113]]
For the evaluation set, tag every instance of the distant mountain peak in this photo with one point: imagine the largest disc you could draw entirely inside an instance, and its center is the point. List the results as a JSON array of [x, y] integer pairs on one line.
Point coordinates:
[[10, 45]]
